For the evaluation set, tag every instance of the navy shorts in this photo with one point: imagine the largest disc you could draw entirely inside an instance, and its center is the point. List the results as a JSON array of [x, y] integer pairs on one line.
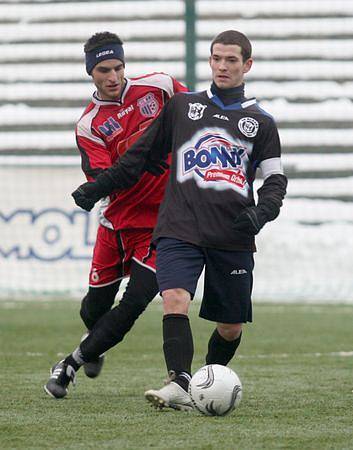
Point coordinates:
[[228, 278]]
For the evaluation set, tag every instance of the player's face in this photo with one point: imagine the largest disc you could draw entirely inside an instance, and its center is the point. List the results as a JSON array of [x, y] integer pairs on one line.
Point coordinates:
[[227, 65], [108, 76]]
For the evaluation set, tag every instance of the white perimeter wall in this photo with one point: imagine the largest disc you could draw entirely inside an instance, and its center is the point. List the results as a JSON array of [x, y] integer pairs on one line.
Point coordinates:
[[46, 242]]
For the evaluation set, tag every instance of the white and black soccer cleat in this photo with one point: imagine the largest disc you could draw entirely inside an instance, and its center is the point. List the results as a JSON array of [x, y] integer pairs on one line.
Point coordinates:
[[61, 374], [172, 395]]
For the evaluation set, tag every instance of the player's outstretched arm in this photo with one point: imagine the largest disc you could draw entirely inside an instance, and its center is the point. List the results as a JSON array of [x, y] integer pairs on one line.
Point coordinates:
[[147, 154], [88, 194]]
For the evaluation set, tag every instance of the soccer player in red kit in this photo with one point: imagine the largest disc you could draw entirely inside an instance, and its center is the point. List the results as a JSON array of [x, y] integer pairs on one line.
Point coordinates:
[[120, 110]]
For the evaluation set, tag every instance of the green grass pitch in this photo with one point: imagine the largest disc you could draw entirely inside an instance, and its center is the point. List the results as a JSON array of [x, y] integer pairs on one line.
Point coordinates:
[[295, 362]]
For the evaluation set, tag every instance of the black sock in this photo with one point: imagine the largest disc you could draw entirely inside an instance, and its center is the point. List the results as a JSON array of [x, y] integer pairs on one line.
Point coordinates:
[[178, 346], [110, 330], [112, 327], [74, 359], [221, 351]]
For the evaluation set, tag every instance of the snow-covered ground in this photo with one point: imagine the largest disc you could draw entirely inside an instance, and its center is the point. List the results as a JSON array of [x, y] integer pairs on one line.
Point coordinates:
[[281, 109], [90, 10], [205, 29], [65, 140], [255, 8], [333, 49], [262, 70], [37, 10], [291, 90]]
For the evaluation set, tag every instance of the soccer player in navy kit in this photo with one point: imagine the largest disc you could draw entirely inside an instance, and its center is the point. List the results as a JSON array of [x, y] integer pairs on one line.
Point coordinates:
[[208, 217]]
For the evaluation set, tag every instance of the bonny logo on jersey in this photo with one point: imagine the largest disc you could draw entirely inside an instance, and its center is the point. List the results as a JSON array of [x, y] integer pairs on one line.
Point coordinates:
[[148, 105], [215, 158], [196, 111], [248, 126]]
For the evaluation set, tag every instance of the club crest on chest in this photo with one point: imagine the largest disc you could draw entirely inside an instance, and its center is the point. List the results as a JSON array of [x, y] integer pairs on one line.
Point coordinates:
[[248, 126], [148, 105], [196, 111]]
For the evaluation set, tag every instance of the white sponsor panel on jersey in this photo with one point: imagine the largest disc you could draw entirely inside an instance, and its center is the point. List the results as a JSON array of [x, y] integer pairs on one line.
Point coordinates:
[[216, 160]]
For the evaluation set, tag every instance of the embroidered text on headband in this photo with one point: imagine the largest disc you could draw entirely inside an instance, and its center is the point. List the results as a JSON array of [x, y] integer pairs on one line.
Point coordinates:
[[108, 51]]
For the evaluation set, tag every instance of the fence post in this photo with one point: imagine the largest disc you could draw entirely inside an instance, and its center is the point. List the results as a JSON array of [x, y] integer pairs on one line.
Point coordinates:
[[190, 19]]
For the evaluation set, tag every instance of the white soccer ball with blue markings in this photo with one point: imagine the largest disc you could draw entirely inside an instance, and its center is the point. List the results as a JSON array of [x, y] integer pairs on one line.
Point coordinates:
[[215, 390]]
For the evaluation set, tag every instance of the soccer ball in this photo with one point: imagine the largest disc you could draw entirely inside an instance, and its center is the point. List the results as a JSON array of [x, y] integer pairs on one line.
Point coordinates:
[[215, 390]]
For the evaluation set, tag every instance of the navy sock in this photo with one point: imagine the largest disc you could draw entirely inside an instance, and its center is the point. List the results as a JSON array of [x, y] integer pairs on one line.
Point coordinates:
[[221, 351], [178, 346]]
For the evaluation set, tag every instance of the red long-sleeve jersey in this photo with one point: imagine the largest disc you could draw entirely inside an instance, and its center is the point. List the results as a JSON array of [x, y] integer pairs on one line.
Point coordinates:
[[107, 129]]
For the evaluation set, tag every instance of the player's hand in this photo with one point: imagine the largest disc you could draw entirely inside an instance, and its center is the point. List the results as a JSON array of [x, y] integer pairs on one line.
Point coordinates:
[[85, 196], [250, 221], [156, 168]]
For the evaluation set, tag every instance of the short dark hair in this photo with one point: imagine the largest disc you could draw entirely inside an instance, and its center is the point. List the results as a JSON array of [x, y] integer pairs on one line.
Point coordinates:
[[101, 39], [232, 37]]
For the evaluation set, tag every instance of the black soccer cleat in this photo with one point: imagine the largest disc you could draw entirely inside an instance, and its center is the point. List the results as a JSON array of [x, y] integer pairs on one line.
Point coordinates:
[[93, 368], [60, 376]]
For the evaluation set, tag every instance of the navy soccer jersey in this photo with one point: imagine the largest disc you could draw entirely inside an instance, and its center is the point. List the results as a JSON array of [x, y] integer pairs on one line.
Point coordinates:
[[216, 151]]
